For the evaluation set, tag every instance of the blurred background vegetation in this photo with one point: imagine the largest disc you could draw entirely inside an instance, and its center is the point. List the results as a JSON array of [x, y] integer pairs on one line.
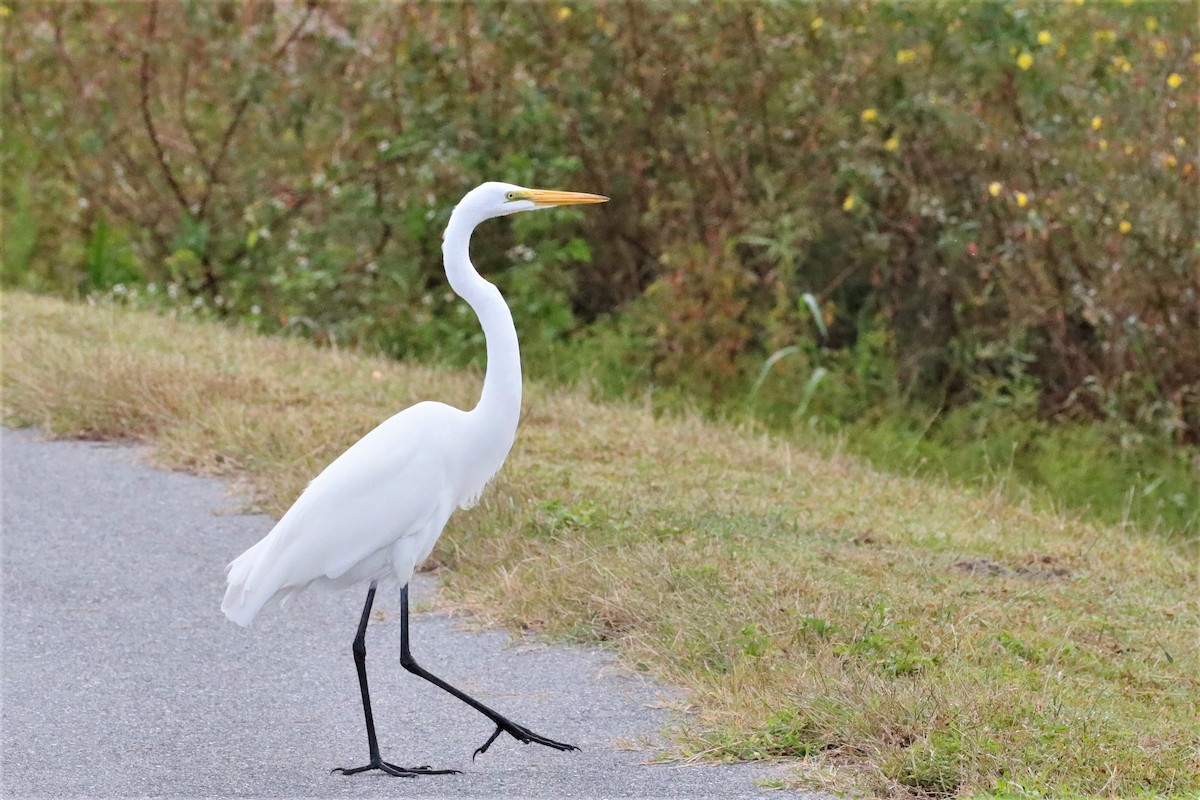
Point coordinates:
[[962, 236]]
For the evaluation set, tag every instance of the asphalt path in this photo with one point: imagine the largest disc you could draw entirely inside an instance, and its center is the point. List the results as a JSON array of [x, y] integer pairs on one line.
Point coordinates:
[[121, 677]]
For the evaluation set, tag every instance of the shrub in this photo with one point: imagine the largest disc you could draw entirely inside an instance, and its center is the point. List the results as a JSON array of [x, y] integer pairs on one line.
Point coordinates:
[[997, 194]]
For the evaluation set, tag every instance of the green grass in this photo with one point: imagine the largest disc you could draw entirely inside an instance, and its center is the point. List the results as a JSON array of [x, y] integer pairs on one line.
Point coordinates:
[[884, 634], [1105, 470], [1100, 467]]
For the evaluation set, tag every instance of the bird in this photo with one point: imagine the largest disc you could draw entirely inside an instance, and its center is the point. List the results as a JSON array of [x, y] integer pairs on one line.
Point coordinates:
[[377, 510]]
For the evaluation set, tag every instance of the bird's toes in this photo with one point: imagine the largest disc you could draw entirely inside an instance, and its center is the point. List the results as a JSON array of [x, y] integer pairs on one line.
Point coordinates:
[[424, 769], [483, 747], [529, 737], [349, 770]]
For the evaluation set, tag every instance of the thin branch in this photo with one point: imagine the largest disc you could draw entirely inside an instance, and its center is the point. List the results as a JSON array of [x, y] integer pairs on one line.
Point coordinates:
[[214, 166], [185, 68], [843, 276], [146, 116], [393, 83]]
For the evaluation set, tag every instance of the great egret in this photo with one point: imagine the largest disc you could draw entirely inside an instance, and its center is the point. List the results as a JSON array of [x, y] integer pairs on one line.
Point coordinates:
[[378, 509]]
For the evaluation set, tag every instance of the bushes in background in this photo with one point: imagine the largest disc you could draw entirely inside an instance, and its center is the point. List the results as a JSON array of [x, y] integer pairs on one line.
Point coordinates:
[[987, 202]]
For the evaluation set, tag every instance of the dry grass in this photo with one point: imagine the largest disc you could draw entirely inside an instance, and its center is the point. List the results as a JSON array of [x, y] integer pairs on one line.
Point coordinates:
[[891, 635]]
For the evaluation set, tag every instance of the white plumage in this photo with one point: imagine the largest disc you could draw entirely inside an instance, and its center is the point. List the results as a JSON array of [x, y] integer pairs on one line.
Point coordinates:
[[375, 512], [378, 509]]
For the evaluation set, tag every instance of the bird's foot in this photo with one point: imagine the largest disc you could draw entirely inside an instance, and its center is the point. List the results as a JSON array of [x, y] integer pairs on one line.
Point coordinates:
[[521, 734], [395, 771]]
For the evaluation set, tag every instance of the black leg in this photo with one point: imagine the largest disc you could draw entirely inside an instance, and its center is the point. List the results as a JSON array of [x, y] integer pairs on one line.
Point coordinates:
[[503, 724], [360, 663]]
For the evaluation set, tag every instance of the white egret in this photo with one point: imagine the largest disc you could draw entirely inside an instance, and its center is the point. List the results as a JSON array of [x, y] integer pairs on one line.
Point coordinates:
[[378, 509]]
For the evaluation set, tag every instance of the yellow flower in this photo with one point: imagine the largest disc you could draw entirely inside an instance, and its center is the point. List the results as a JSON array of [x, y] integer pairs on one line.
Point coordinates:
[[1106, 35], [1160, 48], [994, 188], [848, 203], [1196, 59], [1097, 121], [869, 115], [1128, 149], [816, 24], [1151, 23], [1024, 61], [1103, 143], [563, 13], [5, 11], [1124, 227], [1170, 161], [1022, 199], [1174, 79], [892, 144], [1180, 141], [1044, 37], [905, 56]]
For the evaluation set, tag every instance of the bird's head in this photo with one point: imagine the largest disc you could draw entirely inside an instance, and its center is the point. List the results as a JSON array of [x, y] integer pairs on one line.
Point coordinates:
[[494, 199]]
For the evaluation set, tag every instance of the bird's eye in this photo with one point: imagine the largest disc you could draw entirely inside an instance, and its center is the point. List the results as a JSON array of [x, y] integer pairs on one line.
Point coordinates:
[[510, 195]]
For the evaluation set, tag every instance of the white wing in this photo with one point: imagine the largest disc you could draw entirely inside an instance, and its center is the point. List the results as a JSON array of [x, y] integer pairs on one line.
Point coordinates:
[[378, 507]]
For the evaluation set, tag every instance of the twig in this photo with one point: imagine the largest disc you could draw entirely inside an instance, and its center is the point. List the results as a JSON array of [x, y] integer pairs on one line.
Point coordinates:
[[185, 75], [214, 166], [146, 116]]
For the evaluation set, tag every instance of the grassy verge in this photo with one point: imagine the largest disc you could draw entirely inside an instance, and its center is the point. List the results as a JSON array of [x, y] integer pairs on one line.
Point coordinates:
[[890, 635], [1106, 470]]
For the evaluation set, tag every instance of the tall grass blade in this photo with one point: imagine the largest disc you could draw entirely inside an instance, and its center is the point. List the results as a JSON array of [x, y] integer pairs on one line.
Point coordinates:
[[772, 360], [814, 308], [810, 389]]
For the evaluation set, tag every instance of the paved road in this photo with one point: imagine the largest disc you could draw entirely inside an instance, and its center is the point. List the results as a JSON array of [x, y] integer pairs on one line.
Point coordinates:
[[121, 677]]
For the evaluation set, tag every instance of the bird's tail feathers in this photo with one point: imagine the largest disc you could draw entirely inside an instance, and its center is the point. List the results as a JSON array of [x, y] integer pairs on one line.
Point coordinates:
[[241, 604]]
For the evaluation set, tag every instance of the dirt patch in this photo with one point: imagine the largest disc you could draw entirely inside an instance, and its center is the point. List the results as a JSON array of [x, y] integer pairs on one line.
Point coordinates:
[[1040, 569]]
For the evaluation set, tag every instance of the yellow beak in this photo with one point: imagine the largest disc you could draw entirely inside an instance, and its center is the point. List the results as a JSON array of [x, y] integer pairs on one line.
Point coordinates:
[[548, 197]]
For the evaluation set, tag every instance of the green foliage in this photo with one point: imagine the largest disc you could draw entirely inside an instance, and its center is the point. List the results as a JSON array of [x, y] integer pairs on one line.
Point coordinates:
[[888, 646], [788, 733], [931, 766], [866, 214], [555, 518], [20, 236], [1019, 648], [752, 642], [108, 258], [1112, 471], [818, 627]]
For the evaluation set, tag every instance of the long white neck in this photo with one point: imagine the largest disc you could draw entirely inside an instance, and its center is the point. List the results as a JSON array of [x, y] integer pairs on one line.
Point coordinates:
[[500, 402]]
